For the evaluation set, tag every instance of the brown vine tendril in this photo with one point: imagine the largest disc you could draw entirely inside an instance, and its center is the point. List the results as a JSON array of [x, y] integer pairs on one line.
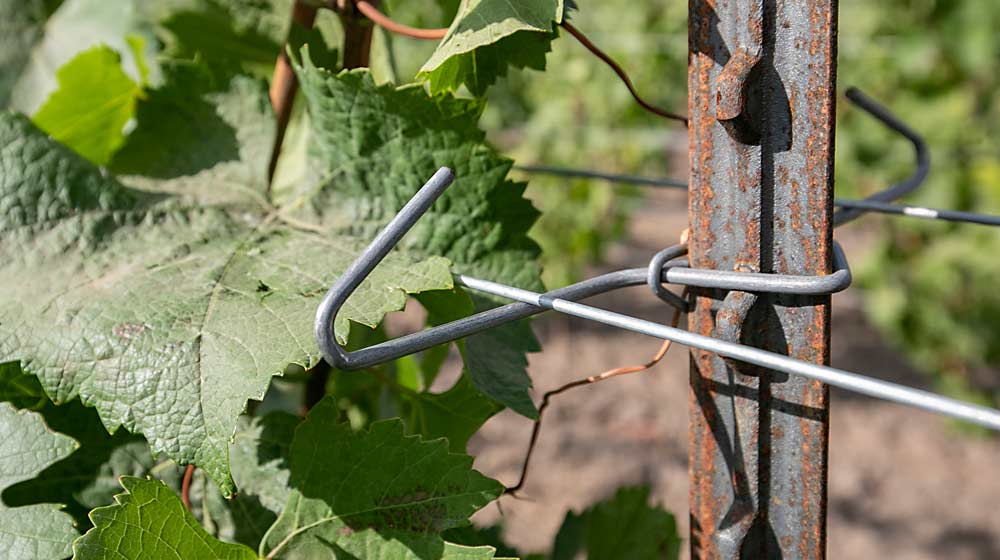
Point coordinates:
[[379, 18], [373, 13], [547, 398], [576, 33], [186, 486]]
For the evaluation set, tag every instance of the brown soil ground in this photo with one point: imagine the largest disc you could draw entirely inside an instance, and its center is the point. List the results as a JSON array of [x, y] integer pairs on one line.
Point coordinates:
[[903, 483]]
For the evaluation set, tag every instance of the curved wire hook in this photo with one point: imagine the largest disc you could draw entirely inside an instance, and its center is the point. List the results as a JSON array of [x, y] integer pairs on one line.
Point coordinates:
[[848, 213]]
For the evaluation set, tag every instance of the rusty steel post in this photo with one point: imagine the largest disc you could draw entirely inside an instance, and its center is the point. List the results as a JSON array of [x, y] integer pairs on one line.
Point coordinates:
[[761, 82]]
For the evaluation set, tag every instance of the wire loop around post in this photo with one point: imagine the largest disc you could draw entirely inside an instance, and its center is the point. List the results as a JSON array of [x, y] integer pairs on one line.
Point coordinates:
[[654, 278], [674, 272]]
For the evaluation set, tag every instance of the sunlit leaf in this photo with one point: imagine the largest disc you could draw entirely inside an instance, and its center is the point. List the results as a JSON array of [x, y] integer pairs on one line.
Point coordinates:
[[375, 493]]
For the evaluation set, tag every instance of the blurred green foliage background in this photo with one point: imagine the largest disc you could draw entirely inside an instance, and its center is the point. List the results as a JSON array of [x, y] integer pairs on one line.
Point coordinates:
[[929, 285]]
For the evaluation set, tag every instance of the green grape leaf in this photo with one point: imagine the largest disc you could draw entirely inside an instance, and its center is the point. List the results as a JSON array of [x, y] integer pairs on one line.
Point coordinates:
[[78, 25], [621, 526], [455, 414], [494, 359], [260, 456], [243, 32], [497, 365], [373, 145], [88, 477], [167, 303], [175, 315], [486, 37], [201, 134], [149, 521], [94, 101], [374, 493], [26, 447]]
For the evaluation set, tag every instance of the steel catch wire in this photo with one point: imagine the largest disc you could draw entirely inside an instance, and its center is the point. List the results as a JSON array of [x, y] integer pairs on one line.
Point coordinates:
[[857, 383], [880, 202], [912, 211]]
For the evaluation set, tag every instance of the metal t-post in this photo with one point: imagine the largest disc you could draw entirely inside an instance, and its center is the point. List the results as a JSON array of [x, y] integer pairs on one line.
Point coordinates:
[[761, 82]]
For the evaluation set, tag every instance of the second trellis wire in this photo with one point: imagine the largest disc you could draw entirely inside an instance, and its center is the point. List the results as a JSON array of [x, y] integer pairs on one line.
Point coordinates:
[[849, 209]]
